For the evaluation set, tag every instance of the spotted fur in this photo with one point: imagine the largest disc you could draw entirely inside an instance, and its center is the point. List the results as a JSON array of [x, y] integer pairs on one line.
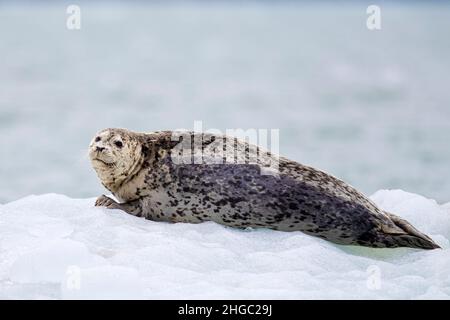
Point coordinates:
[[231, 188]]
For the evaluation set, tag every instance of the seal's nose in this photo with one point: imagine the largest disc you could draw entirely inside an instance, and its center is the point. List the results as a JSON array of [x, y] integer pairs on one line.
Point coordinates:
[[100, 149]]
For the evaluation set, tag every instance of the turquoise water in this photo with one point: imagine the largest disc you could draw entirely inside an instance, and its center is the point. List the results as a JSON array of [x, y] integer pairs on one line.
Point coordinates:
[[371, 107]]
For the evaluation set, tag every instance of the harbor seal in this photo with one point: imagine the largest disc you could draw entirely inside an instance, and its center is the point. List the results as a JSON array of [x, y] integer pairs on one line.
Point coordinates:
[[144, 172]]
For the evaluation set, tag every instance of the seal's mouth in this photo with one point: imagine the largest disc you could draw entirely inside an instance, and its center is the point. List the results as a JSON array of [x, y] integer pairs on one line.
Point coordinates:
[[108, 164]]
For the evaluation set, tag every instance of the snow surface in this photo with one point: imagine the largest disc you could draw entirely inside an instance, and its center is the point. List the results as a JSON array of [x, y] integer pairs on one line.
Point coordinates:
[[54, 247]]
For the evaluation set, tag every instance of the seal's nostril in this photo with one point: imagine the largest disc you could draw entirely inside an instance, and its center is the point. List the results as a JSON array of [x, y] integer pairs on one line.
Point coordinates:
[[100, 149]]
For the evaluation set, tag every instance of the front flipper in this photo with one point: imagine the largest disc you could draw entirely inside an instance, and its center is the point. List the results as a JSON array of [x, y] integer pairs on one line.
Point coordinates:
[[132, 207]]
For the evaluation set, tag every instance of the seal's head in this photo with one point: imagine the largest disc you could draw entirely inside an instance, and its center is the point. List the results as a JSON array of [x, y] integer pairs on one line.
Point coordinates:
[[115, 154]]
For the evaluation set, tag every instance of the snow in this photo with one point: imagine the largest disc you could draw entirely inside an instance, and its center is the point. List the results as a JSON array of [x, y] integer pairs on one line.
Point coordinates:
[[55, 247]]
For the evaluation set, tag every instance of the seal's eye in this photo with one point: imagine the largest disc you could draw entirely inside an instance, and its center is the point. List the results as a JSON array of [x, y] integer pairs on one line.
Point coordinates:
[[97, 139], [119, 144]]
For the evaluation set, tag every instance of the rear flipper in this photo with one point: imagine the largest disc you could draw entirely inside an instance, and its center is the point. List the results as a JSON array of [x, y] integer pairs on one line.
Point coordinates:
[[411, 237]]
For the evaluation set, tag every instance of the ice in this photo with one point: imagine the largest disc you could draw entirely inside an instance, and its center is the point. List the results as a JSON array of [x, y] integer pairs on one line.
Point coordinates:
[[108, 282], [52, 246], [50, 262]]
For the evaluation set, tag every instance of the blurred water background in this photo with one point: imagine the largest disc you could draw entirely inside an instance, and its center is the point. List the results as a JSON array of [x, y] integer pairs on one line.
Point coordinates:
[[371, 107]]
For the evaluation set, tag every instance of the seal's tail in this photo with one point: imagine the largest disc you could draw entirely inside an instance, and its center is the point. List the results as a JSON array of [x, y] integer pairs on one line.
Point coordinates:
[[410, 237]]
